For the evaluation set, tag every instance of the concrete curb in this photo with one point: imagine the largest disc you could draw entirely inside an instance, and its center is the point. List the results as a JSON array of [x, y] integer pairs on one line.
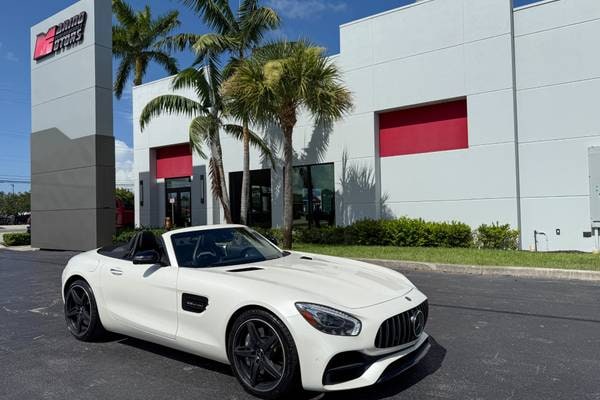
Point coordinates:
[[17, 248], [521, 272]]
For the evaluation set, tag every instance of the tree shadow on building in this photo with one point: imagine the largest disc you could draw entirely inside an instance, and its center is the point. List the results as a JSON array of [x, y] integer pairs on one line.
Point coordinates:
[[357, 194]]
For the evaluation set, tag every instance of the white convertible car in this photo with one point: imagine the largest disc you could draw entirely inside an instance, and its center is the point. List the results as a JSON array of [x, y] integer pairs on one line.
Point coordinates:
[[280, 319]]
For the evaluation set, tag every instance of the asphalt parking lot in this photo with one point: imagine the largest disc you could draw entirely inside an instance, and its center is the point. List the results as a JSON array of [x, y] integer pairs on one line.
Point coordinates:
[[494, 338]]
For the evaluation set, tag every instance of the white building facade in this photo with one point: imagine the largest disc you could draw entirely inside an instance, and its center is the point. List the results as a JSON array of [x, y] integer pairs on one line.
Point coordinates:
[[465, 110]]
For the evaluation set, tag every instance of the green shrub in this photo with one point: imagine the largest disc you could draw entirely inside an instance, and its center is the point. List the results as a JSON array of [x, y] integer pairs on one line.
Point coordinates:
[[451, 234], [125, 235], [270, 233], [367, 232], [402, 232], [496, 236], [325, 235], [17, 239]]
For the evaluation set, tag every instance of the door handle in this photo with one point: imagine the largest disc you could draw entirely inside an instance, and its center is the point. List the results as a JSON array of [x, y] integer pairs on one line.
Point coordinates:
[[116, 271]]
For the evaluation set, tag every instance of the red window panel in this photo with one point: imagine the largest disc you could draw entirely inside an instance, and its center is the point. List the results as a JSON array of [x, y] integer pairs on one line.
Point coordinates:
[[174, 161], [426, 129]]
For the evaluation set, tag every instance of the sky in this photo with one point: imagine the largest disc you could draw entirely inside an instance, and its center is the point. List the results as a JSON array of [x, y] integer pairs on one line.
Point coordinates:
[[317, 20]]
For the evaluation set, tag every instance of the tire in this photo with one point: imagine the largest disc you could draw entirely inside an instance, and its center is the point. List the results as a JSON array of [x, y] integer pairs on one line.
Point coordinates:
[[81, 312], [273, 353]]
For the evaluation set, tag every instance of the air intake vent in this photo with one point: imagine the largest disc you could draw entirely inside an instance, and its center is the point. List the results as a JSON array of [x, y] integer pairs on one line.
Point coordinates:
[[245, 269]]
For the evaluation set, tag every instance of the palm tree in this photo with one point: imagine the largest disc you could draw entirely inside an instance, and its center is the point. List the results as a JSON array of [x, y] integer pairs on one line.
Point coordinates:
[[207, 115], [275, 84], [135, 42], [237, 34]]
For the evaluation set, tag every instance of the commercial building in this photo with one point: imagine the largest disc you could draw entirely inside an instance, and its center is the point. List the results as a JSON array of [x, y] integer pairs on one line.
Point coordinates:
[[465, 110]]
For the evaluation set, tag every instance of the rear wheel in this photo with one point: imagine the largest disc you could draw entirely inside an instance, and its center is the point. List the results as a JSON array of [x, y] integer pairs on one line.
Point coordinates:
[[263, 355], [81, 313]]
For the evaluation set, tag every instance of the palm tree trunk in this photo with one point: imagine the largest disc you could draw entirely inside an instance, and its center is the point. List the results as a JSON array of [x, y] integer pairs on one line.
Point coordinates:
[[139, 71], [245, 176], [224, 193], [288, 195]]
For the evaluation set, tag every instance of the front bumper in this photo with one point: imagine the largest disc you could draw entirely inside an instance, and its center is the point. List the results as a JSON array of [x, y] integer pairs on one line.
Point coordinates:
[[365, 365]]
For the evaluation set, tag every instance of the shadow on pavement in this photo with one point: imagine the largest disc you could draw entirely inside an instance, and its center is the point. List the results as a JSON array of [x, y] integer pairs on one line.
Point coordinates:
[[176, 355], [428, 366]]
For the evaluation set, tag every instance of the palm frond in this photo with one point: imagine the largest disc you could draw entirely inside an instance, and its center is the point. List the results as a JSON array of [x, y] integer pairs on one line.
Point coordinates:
[[169, 104], [283, 77], [230, 67], [213, 43], [165, 23], [141, 39], [215, 13], [192, 78], [180, 41], [200, 133], [122, 76], [254, 24], [246, 7], [167, 62], [121, 46], [255, 140], [123, 12]]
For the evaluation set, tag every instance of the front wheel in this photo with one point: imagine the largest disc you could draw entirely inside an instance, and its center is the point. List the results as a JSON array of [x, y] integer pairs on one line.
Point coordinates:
[[81, 312], [263, 355]]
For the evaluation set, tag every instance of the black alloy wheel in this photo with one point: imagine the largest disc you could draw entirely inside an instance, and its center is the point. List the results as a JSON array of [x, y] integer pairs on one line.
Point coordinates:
[[81, 312], [263, 355]]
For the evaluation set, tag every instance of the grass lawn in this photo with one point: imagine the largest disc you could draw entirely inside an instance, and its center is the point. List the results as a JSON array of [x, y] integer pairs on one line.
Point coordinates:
[[582, 261]]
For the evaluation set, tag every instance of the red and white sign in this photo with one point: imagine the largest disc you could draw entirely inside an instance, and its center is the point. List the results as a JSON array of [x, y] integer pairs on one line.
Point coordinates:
[[62, 36]]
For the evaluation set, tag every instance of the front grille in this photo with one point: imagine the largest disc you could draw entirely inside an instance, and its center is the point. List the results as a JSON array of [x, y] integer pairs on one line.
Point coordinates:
[[398, 330]]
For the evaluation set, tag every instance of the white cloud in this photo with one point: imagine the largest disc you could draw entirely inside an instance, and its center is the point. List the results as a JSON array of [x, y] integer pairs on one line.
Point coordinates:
[[10, 56], [304, 9], [124, 165]]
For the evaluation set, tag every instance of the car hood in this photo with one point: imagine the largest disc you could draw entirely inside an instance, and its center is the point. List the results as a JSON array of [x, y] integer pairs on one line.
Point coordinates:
[[343, 282]]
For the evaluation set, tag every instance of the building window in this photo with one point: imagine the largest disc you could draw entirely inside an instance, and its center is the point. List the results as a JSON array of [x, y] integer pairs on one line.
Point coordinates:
[[424, 129], [259, 211], [314, 195]]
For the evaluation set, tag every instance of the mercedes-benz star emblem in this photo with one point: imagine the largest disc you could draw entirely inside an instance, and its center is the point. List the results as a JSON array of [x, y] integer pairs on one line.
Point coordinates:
[[418, 322]]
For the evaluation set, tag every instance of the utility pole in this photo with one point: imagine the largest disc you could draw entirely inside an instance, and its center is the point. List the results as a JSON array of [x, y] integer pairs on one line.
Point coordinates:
[[13, 188]]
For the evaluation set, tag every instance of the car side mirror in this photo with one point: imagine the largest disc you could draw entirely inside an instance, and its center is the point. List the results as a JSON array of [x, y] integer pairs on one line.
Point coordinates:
[[146, 257]]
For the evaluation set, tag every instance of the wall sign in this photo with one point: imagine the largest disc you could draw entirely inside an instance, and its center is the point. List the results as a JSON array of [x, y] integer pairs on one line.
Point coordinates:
[[62, 36]]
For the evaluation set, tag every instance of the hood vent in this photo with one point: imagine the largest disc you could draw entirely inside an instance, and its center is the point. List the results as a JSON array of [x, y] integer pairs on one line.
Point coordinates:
[[245, 269]]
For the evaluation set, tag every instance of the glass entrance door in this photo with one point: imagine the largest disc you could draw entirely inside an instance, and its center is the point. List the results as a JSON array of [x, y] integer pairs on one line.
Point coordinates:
[[179, 201]]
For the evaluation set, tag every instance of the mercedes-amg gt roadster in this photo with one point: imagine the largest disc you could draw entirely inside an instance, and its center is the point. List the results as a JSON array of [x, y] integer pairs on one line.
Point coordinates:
[[280, 319]]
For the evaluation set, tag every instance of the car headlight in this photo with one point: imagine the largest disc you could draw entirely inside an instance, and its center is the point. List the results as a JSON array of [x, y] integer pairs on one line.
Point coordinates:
[[329, 320]]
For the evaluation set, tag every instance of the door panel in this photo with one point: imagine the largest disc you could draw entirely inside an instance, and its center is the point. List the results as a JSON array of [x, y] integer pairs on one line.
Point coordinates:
[[141, 297]]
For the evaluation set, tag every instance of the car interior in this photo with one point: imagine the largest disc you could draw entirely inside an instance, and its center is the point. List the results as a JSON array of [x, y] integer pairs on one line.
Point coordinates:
[[200, 249], [142, 241]]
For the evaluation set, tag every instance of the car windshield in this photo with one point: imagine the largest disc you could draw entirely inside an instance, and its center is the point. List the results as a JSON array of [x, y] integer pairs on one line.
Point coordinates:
[[221, 247]]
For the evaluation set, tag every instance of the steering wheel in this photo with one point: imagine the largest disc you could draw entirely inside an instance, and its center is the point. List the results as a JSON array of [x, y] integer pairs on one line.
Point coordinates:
[[202, 257], [246, 252]]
